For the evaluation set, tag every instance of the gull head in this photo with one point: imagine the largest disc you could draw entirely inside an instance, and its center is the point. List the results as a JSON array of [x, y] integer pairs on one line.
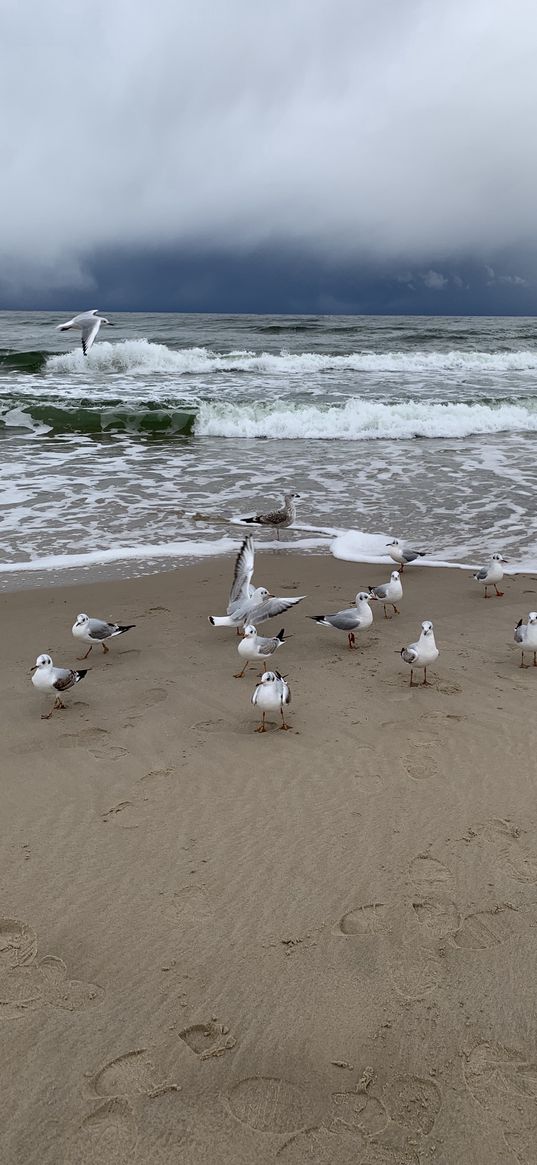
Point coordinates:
[[532, 617], [362, 597], [499, 558], [290, 497], [394, 576], [269, 677], [42, 661], [427, 627], [260, 594], [395, 542], [249, 631], [81, 620]]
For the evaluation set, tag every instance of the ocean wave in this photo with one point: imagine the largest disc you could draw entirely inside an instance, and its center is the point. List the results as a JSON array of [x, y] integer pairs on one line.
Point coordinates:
[[362, 420], [94, 417], [142, 356]]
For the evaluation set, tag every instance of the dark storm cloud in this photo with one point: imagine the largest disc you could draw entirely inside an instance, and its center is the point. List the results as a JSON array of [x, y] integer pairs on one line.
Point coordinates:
[[395, 133]]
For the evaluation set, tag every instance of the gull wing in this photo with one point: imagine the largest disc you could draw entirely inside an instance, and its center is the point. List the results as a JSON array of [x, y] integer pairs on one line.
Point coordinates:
[[520, 632], [242, 575], [267, 646], [482, 574], [64, 678], [98, 629], [271, 607], [410, 654], [380, 592], [89, 325]]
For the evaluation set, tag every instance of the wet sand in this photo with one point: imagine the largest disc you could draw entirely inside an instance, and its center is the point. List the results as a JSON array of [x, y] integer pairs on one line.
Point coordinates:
[[305, 946]]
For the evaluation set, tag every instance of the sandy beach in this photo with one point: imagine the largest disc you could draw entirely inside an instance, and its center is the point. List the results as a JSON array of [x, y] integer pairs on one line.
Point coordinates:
[[311, 946]]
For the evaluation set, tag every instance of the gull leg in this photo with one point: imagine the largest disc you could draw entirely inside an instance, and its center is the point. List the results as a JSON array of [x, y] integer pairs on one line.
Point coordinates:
[[499, 594], [522, 664], [535, 658], [412, 684], [485, 596], [352, 639], [425, 682], [239, 674], [238, 630], [396, 609], [105, 648], [283, 726], [261, 727], [278, 533], [386, 616], [81, 657]]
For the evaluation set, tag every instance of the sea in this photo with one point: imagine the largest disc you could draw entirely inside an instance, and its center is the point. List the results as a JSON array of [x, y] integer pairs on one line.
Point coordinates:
[[148, 451]]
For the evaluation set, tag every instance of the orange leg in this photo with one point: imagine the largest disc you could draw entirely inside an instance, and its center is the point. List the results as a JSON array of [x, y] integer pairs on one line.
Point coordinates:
[[499, 594], [261, 727], [81, 657]]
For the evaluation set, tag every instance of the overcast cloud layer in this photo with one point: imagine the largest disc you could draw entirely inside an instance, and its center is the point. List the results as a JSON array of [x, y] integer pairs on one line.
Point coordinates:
[[397, 132]]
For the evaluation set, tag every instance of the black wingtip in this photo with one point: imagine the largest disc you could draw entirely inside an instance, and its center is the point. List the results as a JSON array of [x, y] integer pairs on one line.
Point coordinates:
[[519, 624], [129, 627], [281, 635], [211, 620], [82, 673], [316, 618], [250, 520]]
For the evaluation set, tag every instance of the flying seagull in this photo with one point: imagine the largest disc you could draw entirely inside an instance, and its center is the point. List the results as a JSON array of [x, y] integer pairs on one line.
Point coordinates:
[[89, 323]]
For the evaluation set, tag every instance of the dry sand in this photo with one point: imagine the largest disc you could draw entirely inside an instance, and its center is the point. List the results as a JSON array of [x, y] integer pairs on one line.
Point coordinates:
[[312, 946]]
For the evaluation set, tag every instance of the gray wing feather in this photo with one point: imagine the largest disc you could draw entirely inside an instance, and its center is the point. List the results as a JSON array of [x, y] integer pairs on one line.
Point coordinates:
[[268, 646], [270, 608], [410, 555], [380, 592], [520, 634], [242, 577], [481, 574], [98, 629], [344, 620], [410, 654]]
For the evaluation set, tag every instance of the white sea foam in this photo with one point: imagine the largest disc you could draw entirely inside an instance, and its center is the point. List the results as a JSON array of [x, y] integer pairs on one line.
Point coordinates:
[[361, 420], [139, 356], [356, 546]]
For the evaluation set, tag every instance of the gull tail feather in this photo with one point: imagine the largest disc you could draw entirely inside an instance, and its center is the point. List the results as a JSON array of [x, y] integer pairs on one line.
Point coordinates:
[[221, 621]]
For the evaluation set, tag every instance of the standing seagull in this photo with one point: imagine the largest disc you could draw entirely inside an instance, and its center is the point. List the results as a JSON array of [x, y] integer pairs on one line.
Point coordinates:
[[491, 574], [270, 696], [390, 592], [352, 619], [96, 631], [47, 678], [422, 653], [403, 557], [255, 647], [277, 518], [526, 637], [89, 323]]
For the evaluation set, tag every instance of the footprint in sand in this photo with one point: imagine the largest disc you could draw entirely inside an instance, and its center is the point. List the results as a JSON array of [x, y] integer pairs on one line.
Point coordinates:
[[488, 928], [370, 919], [438, 916], [507, 844], [191, 906], [112, 752], [429, 875], [126, 815], [503, 1082], [107, 1136], [420, 766], [27, 984], [86, 737], [270, 1105], [359, 1110], [208, 1040], [208, 725], [413, 1103], [415, 973], [321, 1147], [132, 1074]]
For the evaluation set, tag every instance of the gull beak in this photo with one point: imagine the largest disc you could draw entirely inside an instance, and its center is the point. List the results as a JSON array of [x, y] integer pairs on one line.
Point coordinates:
[[32, 669]]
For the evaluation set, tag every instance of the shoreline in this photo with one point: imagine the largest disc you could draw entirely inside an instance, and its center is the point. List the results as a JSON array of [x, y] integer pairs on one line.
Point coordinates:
[[238, 926]]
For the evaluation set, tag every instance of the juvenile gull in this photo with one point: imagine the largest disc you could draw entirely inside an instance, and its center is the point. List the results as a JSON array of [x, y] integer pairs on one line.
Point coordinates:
[[259, 607], [47, 678], [97, 631], [89, 323], [389, 593], [422, 653], [241, 587], [491, 574], [270, 695], [403, 557], [352, 619], [255, 647], [526, 637], [277, 518]]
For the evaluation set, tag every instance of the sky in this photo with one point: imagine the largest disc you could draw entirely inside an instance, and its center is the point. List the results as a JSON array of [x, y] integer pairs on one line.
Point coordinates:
[[304, 155]]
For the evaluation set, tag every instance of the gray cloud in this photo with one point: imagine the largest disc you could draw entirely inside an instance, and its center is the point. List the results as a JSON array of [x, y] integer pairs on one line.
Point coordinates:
[[394, 131]]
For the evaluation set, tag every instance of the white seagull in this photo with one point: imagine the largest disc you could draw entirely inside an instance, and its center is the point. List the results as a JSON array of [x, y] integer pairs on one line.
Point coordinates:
[[270, 695], [352, 619], [422, 653], [255, 647], [279, 519], [257, 608], [526, 637], [403, 557], [89, 323], [96, 631], [491, 574], [390, 592], [47, 678]]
